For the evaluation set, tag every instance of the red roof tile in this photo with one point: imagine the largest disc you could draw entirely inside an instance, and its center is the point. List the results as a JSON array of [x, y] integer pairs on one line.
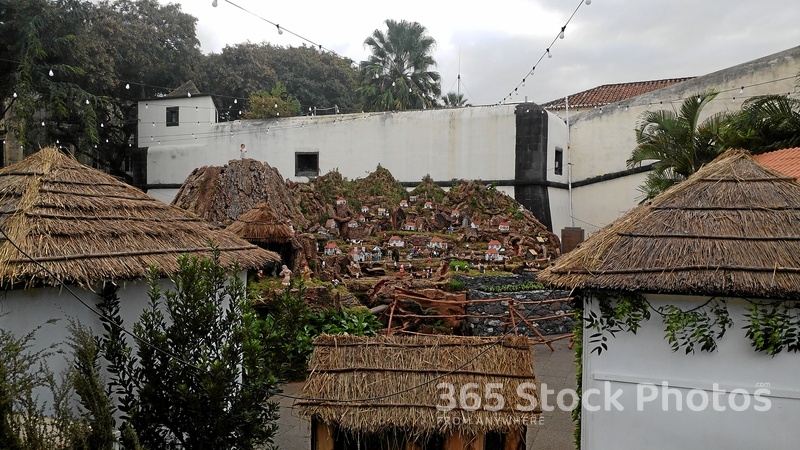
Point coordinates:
[[612, 93], [786, 161]]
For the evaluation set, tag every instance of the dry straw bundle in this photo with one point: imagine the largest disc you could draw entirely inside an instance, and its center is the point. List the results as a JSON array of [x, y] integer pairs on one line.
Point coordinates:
[[732, 228], [261, 225], [86, 226], [352, 379]]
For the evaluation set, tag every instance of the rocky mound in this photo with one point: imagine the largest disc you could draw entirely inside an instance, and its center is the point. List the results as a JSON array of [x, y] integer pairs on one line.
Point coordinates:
[[222, 194]]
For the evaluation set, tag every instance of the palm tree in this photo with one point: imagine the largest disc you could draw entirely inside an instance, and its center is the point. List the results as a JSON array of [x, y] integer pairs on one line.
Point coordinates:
[[397, 75], [677, 143], [454, 100], [765, 123]]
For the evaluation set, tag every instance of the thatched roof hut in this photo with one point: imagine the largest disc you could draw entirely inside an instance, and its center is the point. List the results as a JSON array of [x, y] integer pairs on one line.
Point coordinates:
[[732, 229], [261, 225], [390, 384], [86, 226]]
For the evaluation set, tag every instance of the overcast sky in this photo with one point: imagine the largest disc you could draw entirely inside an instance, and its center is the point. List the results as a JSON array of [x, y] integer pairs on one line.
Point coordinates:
[[494, 44]]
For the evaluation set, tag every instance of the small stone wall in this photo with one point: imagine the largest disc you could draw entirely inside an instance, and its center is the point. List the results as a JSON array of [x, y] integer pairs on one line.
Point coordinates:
[[494, 326]]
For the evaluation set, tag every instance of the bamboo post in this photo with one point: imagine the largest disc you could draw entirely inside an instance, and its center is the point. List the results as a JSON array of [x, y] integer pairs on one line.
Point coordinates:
[[391, 315], [535, 330]]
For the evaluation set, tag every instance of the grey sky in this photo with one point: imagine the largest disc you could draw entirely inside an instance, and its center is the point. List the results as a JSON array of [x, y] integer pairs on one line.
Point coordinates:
[[497, 43]]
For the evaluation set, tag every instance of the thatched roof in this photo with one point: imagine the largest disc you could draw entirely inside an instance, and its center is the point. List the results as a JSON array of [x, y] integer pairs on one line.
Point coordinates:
[[86, 226], [261, 225], [732, 228], [365, 371]]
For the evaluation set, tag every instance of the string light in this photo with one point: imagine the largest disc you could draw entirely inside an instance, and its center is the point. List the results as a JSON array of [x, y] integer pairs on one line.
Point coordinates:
[[561, 34], [280, 28], [15, 96], [127, 85], [51, 72]]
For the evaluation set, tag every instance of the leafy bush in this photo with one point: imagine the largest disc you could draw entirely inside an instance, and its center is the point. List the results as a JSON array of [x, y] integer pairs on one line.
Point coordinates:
[[290, 328], [455, 286], [462, 266], [528, 286], [201, 376]]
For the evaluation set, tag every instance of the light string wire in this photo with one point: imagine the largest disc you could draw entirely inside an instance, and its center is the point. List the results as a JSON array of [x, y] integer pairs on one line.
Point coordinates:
[[280, 29], [546, 52], [313, 120], [244, 386]]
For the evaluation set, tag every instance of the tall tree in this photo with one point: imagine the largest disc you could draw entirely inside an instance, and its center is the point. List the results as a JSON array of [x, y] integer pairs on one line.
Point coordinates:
[[677, 143], [234, 73], [765, 123], [397, 75], [316, 78], [79, 66]]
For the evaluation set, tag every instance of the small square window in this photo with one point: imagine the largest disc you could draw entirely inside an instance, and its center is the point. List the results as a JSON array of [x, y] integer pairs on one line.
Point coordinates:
[[172, 116], [306, 164]]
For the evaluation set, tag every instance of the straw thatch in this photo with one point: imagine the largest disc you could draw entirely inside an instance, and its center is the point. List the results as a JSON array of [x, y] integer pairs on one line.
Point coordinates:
[[732, 228], [261, 225], [353, 379], [86, 226]]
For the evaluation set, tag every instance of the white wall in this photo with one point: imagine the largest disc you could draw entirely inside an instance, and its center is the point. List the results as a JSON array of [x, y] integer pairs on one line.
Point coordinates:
[[470, 143], [603, 139], [646, 357]]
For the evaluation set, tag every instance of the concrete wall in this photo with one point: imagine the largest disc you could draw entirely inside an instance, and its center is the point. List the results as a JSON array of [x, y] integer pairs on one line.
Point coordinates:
[[646, 357], [465, 143], [603, 139]]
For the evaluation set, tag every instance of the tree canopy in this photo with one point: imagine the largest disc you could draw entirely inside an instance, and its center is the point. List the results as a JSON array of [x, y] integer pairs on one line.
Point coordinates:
[[677, 141], [398, 75], [72, 71]]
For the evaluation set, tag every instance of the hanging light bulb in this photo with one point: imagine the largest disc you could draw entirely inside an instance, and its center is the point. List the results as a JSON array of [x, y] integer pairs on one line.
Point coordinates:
[[146, 105], [57, 141], [279, 114], [51, 72], [101, 125], [523, 82], [236, 100], [15, 96], [214, 3], [549, 55], [741, 91], [87, 100], [588, 2], [392, 83], [127, 85], [43, 123], [561, 35], [276, 105], [280, 31], [409, 89], [189, 94], [376, 76]]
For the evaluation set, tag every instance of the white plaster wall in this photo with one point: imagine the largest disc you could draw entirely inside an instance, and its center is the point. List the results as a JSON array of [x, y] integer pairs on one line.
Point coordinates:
[[559, 209], [195, 115], [646, 357], [603, 139], [471, 143], [599, 204]]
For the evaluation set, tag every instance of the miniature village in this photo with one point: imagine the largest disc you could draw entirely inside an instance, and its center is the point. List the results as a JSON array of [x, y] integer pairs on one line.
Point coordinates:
[[359, 242]]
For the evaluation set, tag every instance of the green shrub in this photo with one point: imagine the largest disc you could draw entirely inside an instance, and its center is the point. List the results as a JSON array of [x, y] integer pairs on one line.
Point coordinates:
[[455, 286], [528, 286]]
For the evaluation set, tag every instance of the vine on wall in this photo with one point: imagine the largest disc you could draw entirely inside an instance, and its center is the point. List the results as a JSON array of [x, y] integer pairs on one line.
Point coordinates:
[[771, 327], [774, 327]]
